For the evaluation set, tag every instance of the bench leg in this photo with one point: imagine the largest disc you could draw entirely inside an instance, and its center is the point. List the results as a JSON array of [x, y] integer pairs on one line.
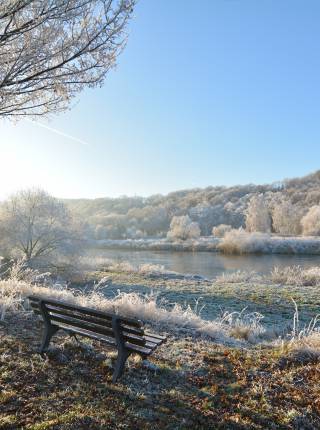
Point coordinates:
[[123, 354], [49, 331]]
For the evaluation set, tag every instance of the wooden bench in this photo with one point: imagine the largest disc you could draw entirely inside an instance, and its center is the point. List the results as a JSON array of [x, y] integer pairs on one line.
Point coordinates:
[[127, 335]]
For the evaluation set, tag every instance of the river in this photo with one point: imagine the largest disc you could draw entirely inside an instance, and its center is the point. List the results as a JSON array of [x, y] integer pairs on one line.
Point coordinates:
[[208, 264]]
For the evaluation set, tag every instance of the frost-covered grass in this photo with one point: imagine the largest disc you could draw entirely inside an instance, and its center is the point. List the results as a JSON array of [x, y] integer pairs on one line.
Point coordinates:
[[242, 305], [201, 244], [268, 294], [291, 275], [296, 275], [233, 242], [229, 328], [243, 242], [177, 320]]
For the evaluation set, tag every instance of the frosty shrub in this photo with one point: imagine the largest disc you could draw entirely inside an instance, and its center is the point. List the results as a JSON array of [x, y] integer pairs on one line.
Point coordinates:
[[296, 275], [221, 230], [181, 227], [311, 222], [286, 218], [242, 242], [257, 215], [238, 277]]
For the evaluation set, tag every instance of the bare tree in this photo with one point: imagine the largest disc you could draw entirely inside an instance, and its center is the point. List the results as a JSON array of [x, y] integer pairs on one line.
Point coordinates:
[[182, 227], [257, 215], [35, 225], [286, 218], [51, 49]]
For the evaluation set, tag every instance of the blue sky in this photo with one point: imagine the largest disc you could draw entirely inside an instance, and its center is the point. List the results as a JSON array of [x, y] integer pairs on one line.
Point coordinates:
[[207, 92]]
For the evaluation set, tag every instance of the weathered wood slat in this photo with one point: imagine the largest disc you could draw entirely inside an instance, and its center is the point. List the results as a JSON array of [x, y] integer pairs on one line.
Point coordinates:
[[88, 334], [81, 317], [132, 347], [64, 314], [89, 311], [157, 336], [153, 340], [133, 329], [57, 319]]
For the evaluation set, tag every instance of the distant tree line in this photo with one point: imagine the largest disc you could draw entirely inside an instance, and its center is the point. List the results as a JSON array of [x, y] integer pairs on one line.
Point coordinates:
[[37, 226], [290, 207]]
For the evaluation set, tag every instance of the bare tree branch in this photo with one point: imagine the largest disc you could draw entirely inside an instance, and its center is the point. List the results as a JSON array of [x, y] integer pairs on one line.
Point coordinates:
[[51, 49]]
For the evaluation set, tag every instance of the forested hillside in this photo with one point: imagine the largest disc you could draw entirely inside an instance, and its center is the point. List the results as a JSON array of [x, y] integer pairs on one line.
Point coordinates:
[[136, 217]]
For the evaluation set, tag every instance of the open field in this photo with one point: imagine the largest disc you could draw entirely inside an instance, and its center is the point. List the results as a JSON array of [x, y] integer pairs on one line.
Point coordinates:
[[271, 298]]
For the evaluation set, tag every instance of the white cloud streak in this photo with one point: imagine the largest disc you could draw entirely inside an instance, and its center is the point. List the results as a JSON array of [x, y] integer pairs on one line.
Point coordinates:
[[61, 133]]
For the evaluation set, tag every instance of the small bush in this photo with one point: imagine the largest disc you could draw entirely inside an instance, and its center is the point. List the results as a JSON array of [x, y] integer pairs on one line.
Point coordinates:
[[221, 230], [181, 227], [311, 222], [242, 242], [295, 275]]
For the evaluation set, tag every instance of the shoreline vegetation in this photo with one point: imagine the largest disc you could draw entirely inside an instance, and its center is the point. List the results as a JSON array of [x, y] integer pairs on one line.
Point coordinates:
[[234, 242], [173, 301]]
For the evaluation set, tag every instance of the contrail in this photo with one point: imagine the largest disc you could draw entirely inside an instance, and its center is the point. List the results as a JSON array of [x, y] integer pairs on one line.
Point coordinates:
[[75, 139]]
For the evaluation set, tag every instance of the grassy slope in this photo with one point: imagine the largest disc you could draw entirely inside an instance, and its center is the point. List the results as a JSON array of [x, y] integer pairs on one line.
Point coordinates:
[[191, 384], [274, 302], [196, 385]]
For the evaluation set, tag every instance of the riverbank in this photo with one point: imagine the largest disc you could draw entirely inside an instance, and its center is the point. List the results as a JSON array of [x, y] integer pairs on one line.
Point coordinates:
[[236, 242], [202, 244]]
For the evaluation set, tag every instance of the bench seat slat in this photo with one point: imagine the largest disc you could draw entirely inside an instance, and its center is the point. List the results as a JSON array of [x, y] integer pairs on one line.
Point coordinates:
[[156, 336], [134, 330], [130, 346], [153, 340]]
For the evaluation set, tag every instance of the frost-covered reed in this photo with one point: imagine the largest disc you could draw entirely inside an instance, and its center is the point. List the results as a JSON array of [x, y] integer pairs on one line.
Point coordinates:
[[303, 343], [243, 242], [290, 275], [173, 318]]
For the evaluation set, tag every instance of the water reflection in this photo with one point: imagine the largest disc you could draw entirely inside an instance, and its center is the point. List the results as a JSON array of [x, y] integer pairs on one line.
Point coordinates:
[[208, 264]]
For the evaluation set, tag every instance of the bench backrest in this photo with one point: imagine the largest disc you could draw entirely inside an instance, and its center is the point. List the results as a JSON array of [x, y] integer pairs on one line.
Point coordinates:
[[89, 320]]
